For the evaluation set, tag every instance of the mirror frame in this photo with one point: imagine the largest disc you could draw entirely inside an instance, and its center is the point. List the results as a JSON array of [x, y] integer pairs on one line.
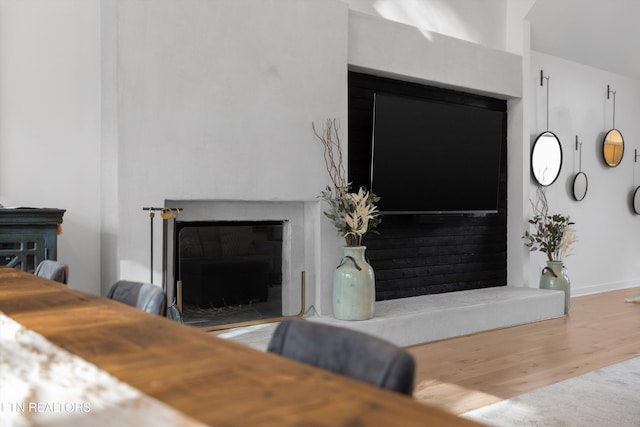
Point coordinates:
[[578, 193], [539, 179], [604, 145], [635, 201]]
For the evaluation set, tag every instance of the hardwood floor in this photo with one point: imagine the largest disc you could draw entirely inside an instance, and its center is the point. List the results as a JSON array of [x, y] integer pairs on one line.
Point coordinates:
[[465, 373]]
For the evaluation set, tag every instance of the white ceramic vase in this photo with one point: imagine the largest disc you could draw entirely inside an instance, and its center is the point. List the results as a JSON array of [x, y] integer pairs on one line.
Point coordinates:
[[354, 293], [555, 276]]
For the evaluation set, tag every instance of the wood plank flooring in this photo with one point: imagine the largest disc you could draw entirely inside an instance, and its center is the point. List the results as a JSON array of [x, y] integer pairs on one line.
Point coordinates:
[[465, 373], [223, 383]]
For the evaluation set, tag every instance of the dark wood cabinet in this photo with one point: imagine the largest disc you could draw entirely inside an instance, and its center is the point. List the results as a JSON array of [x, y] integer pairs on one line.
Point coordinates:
[[28, 236]]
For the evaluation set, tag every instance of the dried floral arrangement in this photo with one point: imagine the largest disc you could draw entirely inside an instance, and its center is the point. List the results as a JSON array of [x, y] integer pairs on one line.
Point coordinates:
[[552, 234], [353, 213]]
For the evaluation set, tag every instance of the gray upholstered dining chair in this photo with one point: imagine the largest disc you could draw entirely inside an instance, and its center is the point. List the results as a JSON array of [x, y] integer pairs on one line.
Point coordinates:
[[345, 352], [53, 270], [144, 296]]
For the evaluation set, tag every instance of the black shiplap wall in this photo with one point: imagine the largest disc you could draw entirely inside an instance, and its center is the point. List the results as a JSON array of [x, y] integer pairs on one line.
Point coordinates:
[[426, 254]]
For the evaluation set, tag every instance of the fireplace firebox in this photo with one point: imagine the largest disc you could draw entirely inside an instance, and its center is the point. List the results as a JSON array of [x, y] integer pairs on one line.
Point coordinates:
[[225, 265]]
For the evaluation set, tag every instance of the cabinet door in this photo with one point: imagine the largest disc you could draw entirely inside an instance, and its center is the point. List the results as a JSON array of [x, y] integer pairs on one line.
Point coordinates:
[[23, 250]]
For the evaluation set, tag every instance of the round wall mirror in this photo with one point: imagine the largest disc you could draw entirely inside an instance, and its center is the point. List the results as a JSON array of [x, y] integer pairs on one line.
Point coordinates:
[[636, 201], [613, 147], [546, 158], [580, 185]]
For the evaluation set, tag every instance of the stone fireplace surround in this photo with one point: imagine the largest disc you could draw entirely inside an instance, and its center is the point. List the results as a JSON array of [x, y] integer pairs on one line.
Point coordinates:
[[404, 321]]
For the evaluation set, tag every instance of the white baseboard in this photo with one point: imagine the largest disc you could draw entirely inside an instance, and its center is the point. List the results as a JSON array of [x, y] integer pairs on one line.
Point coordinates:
[[604, 287]]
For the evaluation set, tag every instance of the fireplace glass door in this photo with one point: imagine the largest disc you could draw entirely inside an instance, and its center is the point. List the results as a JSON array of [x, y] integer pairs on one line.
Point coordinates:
[[230, 271]]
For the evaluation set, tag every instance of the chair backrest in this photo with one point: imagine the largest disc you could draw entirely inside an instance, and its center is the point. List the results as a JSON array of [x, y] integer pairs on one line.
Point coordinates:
[[53, 270], [345, 352], [144, 296]]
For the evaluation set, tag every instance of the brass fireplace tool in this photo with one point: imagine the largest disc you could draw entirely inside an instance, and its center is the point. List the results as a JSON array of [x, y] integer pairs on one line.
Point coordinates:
[[166, 214]]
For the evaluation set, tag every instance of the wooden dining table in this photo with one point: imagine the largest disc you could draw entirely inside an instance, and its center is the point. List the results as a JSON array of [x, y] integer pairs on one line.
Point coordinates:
[[209, 379]]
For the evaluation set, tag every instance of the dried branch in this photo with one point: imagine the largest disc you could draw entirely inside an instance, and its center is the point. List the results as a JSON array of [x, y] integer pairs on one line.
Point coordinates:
[[541, 205], [330, 137], [552, 234]]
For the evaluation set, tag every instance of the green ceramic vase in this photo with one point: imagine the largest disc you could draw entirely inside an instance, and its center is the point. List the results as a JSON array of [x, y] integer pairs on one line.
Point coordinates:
[[354, 293], [554, 276]]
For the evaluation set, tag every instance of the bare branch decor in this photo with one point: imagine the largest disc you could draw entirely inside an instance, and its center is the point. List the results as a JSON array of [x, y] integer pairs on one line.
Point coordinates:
[[353, 213]]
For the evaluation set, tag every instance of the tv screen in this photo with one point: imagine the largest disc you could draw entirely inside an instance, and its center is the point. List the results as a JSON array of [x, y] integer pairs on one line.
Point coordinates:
[[435, 157]]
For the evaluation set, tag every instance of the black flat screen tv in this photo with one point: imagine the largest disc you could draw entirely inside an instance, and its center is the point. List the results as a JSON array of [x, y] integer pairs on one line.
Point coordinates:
[[435, 157]]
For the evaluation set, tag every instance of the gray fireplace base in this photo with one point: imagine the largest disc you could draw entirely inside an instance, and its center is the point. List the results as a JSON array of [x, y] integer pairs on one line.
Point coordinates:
[[426, 318]]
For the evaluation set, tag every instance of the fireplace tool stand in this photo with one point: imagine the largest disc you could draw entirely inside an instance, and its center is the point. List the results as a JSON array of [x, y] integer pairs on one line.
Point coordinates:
[[173, 309]]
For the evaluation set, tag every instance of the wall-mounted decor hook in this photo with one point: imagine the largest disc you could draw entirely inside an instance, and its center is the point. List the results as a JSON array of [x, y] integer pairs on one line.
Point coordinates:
[[542, 77], [609, 91], [579, 150]]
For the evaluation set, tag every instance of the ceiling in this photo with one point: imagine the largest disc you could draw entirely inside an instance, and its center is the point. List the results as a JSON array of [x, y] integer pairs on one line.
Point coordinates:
[[600, 33]]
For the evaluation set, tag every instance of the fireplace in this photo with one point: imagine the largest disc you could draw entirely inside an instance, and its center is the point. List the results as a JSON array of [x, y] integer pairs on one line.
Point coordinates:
[[240, 261], [227, 265]]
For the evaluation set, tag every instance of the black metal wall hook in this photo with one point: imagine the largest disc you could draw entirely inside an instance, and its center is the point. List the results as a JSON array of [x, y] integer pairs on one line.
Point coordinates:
[[542, 78], [609, 92]]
